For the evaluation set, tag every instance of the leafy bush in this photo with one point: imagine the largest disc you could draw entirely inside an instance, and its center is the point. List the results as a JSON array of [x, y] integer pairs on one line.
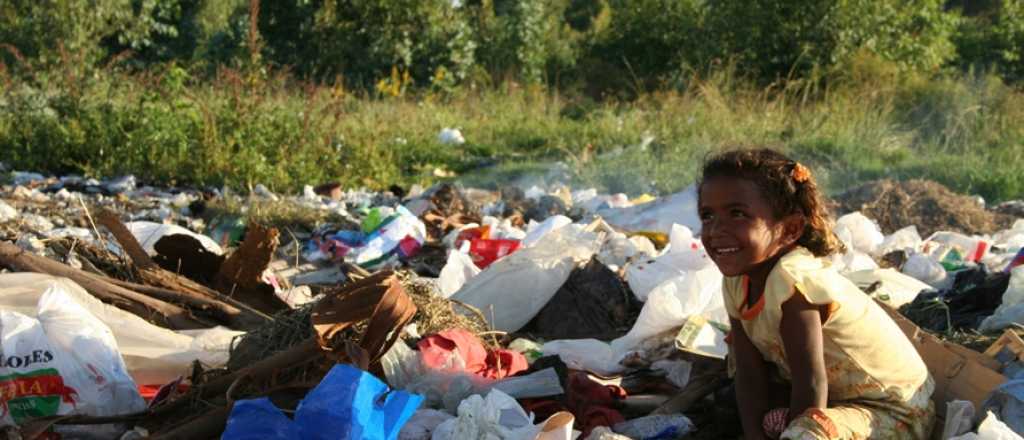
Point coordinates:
[[782, 39], [362, 40], [645, 41], [994, 39], [44, 32]]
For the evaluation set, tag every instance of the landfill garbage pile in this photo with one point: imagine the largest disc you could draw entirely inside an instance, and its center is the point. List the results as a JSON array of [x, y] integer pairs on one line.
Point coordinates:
[[130, 311]]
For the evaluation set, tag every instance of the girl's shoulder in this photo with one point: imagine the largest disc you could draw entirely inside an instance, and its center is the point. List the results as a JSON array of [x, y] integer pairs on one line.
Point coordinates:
[[814, 277]]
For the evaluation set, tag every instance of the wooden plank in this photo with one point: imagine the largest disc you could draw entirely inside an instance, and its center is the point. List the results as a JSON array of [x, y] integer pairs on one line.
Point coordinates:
[[1009, 340]]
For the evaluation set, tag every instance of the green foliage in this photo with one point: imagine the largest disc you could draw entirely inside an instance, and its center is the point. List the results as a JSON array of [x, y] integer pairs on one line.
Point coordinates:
[[627, 95], [362, 40], [46, 31], [172, 125], [782, 39], [645, 42], [994, 39]]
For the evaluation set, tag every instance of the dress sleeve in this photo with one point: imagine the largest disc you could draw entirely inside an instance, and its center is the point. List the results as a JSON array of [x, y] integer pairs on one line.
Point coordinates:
[[819, 284]]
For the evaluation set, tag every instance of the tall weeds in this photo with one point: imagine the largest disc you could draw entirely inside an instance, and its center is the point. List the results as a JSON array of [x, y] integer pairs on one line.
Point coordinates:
[[168, 126]]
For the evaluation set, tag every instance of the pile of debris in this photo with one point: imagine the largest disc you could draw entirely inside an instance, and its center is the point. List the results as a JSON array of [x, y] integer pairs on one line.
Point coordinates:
[[536, 313]]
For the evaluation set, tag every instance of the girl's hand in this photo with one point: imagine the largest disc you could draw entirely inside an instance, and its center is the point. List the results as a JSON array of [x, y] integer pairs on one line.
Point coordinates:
[[802, 341]]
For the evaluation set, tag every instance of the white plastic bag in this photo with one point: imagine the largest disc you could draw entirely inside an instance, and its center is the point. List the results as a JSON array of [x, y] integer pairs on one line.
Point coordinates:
[[853, 261], [697, 292], [927, 270], [496, 417], [1010, 239], [499, 417], [422, 424], [456, 271], [1003, 318], [859, 232], [959, 418], [906, 239], [891, 287], [515, 288], [616, 251], [542, 383], [676, 371], [991, 429], [64, 362], [1015, 291], [1011, 311], [584, 354], [153, 355], [685, 254], [536, 231], [659, 215], [450, 136], [148, 233]]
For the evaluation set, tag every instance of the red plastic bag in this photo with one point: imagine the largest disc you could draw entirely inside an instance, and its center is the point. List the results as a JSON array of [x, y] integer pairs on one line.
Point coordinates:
[[485, 252], [437, 351]]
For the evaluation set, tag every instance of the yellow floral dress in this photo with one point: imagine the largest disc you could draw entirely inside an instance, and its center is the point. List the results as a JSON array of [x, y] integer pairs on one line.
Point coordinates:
[[878, 386]]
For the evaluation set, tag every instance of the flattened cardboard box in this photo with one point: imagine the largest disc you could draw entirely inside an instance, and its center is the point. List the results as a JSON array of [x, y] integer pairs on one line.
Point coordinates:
[[960, 373]]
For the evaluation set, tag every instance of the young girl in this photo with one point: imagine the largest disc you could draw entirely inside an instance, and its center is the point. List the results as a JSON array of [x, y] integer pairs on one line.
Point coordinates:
[[815, 357]]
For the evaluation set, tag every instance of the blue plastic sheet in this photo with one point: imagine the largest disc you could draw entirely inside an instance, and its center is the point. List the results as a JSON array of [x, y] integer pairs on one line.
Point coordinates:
[[349, 403], [1007, 402], [257, 419]]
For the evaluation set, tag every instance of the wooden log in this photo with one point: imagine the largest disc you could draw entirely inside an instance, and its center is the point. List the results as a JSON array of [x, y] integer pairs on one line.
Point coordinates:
[[235, 315], [125, 238], [176, 288], [152, 309]]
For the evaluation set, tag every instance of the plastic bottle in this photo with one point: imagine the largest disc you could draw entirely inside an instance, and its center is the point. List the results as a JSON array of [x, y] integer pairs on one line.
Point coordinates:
[[656, 427]]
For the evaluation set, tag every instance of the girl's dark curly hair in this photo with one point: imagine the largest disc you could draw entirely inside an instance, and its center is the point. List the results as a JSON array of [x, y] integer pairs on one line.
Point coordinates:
[[789, 188]]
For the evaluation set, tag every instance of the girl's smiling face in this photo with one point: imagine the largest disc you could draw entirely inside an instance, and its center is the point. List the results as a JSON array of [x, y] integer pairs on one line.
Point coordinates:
[[739, 228]]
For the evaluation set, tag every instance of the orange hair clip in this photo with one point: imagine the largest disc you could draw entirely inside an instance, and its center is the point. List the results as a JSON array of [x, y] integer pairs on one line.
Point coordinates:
[[800, 173]]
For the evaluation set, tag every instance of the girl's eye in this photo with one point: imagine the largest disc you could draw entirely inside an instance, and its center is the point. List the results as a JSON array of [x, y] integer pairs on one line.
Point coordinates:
[[705, 217], [738, 214]]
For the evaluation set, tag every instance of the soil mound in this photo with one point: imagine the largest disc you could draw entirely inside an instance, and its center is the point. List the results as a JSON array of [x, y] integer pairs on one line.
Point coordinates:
[[928, 205]]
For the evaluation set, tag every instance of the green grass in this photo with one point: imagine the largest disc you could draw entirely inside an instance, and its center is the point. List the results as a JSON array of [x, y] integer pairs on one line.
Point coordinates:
[[237, 129]]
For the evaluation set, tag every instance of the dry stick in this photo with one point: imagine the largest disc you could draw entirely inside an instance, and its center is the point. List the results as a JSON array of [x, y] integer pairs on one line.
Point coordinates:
[[137, 303], [174, 296], [295, 241], [494, 336], [95, 230], [218, 297]]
